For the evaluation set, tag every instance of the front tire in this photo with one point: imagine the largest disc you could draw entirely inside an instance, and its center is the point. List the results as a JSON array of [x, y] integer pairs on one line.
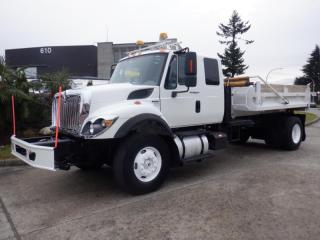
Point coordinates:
[[141, 163]]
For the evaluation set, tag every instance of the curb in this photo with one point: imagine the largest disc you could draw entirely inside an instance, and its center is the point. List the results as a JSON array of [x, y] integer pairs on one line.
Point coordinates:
[[11, 162], [313, 121]]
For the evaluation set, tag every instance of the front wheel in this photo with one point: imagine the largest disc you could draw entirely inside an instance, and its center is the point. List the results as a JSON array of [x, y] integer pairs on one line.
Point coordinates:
[[141, 163]]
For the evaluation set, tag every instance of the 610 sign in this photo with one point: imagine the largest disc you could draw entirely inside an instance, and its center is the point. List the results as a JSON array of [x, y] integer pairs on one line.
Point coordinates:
[[45, 50]]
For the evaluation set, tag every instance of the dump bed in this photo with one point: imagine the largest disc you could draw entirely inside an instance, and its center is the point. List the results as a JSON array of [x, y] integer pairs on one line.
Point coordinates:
[[261, 97]]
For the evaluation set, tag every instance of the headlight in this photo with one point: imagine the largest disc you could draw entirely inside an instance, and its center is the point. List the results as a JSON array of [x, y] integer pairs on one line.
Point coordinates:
[[98, 126]]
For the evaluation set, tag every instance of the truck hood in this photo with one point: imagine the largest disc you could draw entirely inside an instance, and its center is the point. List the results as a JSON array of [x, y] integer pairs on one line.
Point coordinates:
[[107, 94]]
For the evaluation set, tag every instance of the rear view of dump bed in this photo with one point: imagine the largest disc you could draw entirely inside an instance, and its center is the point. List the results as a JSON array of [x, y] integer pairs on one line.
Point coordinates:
[[262, 97]]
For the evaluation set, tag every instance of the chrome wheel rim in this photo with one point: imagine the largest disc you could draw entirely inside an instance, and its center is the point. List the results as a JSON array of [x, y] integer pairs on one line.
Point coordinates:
[[296, 133], [147, 164]]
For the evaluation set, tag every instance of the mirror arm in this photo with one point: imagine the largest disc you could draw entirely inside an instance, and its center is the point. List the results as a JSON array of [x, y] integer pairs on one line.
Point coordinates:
[[175, 93]]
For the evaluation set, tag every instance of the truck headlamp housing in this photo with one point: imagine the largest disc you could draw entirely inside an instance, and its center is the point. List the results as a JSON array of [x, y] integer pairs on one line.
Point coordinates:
[[98, 126]]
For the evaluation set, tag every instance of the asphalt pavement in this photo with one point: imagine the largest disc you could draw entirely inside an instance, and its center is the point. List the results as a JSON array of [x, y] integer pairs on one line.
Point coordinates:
[[243, 192]]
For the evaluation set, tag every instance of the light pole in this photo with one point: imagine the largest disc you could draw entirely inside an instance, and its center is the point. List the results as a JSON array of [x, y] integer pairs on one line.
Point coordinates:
[[272, 70]]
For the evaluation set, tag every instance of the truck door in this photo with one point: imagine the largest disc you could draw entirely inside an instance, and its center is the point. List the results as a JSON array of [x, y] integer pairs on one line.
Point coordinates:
[[202, 104], [184, 109]]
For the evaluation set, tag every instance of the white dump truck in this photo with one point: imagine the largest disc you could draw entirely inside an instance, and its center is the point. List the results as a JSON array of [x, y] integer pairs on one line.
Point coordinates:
[[164, 106]]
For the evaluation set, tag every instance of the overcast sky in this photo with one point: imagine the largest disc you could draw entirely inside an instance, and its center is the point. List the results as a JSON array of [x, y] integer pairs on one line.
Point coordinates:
[[285, 31]]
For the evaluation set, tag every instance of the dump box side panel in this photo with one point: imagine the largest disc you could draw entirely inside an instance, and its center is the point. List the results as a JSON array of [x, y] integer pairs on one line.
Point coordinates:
[[259, 98]]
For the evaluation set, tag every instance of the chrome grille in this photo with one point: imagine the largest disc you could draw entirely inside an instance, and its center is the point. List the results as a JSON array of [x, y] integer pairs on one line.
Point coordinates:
[[70, 113]]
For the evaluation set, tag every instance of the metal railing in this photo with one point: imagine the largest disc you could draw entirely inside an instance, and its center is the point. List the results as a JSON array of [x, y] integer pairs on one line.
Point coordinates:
[[170, 44]]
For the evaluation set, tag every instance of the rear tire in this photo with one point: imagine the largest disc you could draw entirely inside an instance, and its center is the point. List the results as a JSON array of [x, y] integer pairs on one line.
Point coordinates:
[[287, 133], [141, 163], [292, 135]]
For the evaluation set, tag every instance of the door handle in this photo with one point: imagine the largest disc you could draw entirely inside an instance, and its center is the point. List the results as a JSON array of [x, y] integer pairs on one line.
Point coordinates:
[[194, 92], [198, 106]]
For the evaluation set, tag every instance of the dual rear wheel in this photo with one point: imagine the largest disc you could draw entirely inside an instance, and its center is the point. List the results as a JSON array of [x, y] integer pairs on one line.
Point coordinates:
[[287, 134], [284, 132]]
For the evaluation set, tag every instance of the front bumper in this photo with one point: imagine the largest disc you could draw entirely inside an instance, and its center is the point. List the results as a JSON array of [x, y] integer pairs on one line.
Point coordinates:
[[39, 152]]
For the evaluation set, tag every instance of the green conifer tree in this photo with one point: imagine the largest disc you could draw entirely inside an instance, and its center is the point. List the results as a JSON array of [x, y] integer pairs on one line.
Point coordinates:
[[311, 71], [232, 58]]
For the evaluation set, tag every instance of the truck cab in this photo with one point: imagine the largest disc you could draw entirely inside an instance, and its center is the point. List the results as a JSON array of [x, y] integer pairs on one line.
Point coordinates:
[[180, 87]]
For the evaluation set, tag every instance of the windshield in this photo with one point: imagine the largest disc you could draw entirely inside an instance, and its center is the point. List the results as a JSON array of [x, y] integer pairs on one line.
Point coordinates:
[[141, 70]]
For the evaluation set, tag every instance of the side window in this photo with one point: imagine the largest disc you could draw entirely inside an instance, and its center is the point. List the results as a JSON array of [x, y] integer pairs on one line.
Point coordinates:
[[171, 79], [211, 69]]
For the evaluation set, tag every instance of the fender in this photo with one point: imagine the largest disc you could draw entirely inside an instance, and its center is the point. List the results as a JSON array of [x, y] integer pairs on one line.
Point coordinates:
[[135, 121], [161, 128], [125, 111]]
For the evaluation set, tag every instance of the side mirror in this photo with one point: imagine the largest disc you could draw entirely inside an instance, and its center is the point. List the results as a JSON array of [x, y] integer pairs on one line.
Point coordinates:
[[190, 69], [190, 66]]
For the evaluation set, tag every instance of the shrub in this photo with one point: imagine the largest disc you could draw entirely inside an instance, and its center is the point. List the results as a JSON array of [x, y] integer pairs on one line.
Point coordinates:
[[32, 100]]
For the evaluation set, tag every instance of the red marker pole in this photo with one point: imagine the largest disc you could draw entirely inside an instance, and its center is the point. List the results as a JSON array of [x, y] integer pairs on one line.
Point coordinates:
[[13, 116], [58, 118]]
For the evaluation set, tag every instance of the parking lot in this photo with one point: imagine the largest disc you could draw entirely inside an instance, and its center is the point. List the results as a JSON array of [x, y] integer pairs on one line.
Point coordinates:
[[242, 192]]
